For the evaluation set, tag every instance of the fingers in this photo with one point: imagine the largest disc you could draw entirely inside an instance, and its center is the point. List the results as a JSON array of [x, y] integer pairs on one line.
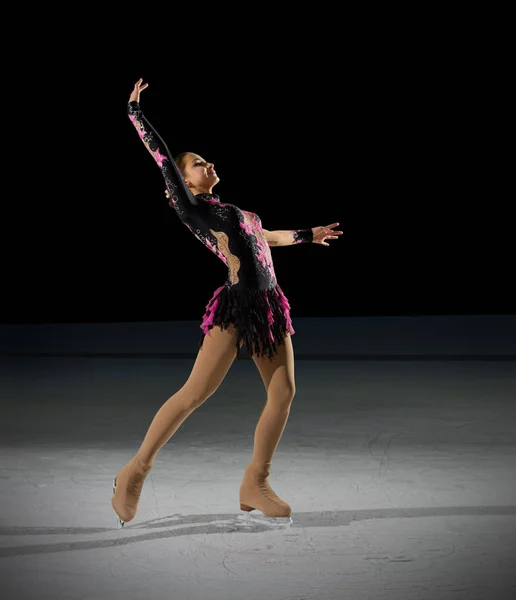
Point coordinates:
[[326, 237], [138, 85]]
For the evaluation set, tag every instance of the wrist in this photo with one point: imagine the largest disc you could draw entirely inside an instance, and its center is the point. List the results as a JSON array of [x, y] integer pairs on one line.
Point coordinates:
[[303, 236]]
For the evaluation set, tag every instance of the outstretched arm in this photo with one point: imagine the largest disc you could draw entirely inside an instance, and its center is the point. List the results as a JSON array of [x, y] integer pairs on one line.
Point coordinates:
[[317, 235], [181, 198], [288, 237]]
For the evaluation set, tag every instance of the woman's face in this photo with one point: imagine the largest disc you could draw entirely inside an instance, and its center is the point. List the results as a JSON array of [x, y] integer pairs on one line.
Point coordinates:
[[199, 174]]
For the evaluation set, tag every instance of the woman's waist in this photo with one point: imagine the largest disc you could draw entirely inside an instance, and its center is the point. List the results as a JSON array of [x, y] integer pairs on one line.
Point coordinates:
[[256, 279], [244, 286]]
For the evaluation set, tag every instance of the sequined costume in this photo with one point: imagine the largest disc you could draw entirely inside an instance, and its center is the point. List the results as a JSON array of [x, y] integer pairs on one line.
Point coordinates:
[[251, 298]]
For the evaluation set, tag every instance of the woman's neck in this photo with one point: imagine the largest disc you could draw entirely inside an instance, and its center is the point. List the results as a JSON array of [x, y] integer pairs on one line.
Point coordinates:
[[201, 190]]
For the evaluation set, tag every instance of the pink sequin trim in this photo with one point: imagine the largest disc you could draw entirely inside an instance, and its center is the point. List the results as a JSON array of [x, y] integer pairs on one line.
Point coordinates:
[[270, 318], [286, 308], [211, 307]]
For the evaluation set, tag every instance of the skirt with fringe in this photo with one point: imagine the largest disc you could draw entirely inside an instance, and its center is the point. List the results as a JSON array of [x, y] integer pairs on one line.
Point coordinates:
[[262, 317]]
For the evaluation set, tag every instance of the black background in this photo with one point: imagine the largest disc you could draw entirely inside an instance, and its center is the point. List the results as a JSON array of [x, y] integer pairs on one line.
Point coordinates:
[[394, 139]]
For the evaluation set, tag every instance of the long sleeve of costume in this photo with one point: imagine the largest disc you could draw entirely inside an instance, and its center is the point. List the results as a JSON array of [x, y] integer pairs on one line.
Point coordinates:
[[181, 198]]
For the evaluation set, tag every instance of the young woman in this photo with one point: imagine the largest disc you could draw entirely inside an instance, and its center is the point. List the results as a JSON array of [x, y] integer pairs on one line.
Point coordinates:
[[250, 308]]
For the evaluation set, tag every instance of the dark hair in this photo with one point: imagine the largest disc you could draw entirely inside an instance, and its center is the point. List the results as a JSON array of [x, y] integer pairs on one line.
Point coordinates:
[[180, 161]]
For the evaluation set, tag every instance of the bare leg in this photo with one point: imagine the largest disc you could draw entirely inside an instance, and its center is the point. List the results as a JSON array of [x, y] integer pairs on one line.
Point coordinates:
[[213, 362], [211, 365], [278, 378]]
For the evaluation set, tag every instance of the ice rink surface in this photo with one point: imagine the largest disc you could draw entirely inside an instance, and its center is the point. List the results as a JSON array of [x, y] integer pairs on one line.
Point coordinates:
[[400, 474]]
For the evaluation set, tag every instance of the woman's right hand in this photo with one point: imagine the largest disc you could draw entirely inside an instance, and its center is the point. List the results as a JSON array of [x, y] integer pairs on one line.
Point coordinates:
[[138, 87]]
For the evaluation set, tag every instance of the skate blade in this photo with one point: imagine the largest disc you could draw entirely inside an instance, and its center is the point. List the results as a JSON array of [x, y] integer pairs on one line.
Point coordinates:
[[120, 522], [260, 519]]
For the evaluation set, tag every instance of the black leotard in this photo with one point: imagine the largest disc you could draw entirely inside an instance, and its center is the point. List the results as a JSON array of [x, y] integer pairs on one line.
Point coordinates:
[[251, 299]]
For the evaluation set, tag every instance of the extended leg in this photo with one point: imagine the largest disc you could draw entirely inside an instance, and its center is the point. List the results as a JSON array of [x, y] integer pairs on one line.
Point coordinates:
[[212, 363]]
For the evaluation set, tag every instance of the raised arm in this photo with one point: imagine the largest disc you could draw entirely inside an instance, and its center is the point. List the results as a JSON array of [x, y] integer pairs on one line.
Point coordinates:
[[181, 198]]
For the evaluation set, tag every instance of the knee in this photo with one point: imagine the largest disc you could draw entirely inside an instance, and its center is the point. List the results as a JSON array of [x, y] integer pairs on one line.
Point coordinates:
[[194, 397], [291, 393], [285, 397]]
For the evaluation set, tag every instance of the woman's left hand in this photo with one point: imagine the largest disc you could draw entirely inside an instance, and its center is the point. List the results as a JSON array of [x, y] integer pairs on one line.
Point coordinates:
[[325, 233], [138, 88]]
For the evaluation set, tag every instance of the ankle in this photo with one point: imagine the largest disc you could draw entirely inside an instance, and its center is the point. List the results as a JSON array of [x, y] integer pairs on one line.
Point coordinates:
[[259, 467], [145, 465]]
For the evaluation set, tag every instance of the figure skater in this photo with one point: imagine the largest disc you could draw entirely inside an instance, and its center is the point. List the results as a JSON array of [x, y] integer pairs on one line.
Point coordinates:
[[250, 308]]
